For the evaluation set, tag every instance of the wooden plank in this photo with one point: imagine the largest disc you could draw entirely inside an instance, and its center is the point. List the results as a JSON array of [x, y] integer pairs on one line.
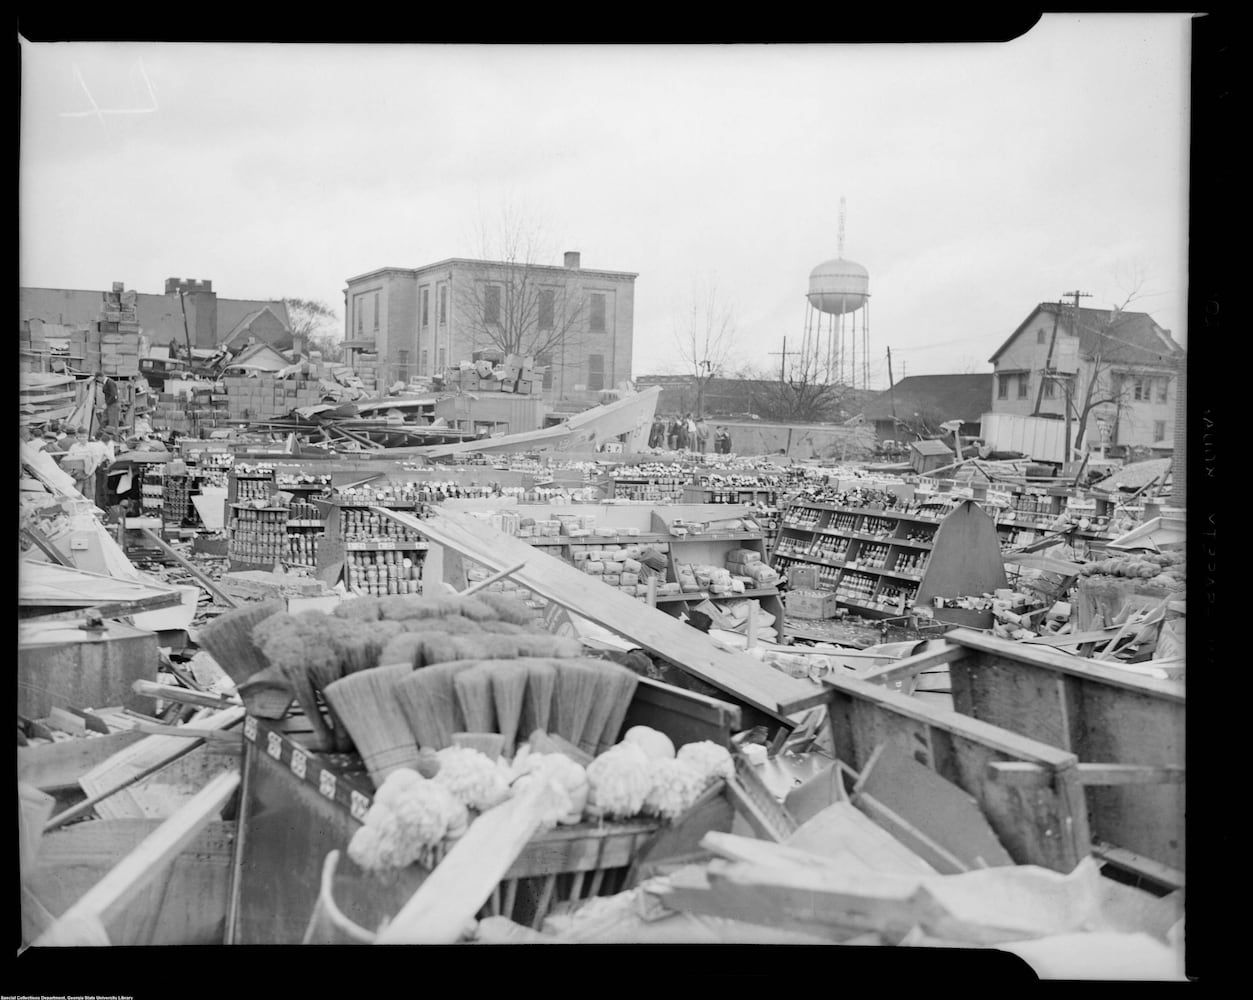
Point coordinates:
[[1172, 691], [841, 831], [927, 848], [460, 884], [740, 675], [191, 733], [935, 807], [217, 592], [1043, 827], [1033, 776], [61, 764], [109, 897], [1163, 875], [1028, 701], [911, 666], [106, 784]]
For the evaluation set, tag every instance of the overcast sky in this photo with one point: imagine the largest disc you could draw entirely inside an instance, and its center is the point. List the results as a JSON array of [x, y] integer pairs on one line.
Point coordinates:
[[980, 179]]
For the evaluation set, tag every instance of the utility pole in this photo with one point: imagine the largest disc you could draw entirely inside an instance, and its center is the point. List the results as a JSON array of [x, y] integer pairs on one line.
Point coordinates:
[[782, 360], [1048, 362], [891, 392], [1066, 382]]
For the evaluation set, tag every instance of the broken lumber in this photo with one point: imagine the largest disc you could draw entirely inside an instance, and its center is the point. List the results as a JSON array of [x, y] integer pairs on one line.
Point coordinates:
[[84, 922]]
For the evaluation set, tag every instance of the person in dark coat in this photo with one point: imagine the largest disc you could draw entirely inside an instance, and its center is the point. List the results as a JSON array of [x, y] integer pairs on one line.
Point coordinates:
[[657, 436], [672, 434]]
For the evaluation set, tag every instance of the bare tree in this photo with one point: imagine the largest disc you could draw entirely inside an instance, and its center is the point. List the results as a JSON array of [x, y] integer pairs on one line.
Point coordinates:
[[515, 304], [316, 325], [803, 395], [704, 335], [1111, 368]]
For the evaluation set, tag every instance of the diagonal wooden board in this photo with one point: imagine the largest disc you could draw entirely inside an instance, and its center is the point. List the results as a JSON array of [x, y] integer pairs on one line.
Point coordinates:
[[739, 674]]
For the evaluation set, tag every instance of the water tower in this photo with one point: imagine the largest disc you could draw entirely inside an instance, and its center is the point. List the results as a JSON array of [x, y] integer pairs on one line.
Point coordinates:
[[839, 293]]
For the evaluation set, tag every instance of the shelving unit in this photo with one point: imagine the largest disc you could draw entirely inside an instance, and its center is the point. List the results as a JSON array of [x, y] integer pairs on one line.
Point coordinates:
[[367, 551], [881, 562]]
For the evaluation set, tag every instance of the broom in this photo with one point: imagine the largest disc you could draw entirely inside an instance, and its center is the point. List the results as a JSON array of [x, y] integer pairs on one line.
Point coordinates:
[[367, 704], [428, 701], [228, 639], [501, 627], [509, 682], [619, 695], [402, 649], [573, 698], [548, 646], [537, 702], [448, 625], [322, 676], [474, 697], [365, 609], [508, 609], [606, 688], [293, 644], [266, 694]]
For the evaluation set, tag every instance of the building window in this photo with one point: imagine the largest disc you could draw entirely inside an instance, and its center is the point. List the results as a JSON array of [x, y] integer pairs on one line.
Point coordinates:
[[441, 359], [597, 321], [545, 361], [423, 358], [1141, 389], [1163, 389], [376, 312], [596, 372], [1159, 430], [426, 311], [1002, 386], [547, 301], [356, 307], [402, 366], [1050, 387], [491, 304], [1023, 380], [1039, 336], [443, 306]]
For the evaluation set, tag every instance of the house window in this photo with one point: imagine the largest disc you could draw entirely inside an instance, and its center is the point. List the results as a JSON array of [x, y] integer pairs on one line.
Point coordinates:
[[376, 311], [491, 304], [426, 310], [1023, 380], [1002, 386], [1159, 430], [545, 361], [356, 306], [441, 359], [1141, 389], [597, 322], [402, 367], [1039, 336], [443, 306], [423, 358], [1163, 389], [1050, 387], [596, 372], [547, 300]]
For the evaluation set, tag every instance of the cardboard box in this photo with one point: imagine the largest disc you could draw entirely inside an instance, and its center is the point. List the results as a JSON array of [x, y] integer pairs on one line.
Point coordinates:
[[525, 386], [802, 577], [810, 604]]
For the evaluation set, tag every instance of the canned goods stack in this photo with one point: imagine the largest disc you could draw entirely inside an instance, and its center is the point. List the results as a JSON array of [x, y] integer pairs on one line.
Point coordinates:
[[258, 536], [366, 525], [302, 549], [380, 573]]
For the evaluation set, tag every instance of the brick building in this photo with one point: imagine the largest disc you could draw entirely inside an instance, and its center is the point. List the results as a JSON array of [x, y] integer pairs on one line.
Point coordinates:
[[211, 321], [577, 322]]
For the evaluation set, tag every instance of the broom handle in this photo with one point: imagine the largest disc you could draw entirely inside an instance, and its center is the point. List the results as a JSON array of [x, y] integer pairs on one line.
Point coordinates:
[[168, 692], [492, 579]]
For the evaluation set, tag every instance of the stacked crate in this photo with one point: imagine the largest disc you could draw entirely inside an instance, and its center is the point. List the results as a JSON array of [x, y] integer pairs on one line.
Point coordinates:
[[118, 334], [266, 396], [519, 374]]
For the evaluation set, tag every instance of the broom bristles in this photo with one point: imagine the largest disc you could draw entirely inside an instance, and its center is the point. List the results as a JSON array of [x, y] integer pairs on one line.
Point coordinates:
[[322, 676], [429, 702], [620, 695], [368, 704], [402, 649], [298, 677], [573, 698], [508, 609], [364, 609], [267, 694], [446, 624], [537, 701], [599, 712], [474, 696], [228, 639], [509, 681]]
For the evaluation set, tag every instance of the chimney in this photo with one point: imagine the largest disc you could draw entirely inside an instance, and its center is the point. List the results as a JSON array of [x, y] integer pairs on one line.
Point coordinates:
[[572, 260], [201, 303]]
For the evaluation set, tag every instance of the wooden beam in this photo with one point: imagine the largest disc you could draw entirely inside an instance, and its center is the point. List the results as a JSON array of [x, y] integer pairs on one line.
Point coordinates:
[[68, 610], [1154, 871], [910, 666], [110, 895], [740, 675], [222, 596], [61, 764], [37, 538], [453, 893], [1020, 774], [1011, 651]]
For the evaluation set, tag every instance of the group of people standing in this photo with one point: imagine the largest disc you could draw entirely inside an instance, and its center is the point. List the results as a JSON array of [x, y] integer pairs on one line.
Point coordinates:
[[687, 433]]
